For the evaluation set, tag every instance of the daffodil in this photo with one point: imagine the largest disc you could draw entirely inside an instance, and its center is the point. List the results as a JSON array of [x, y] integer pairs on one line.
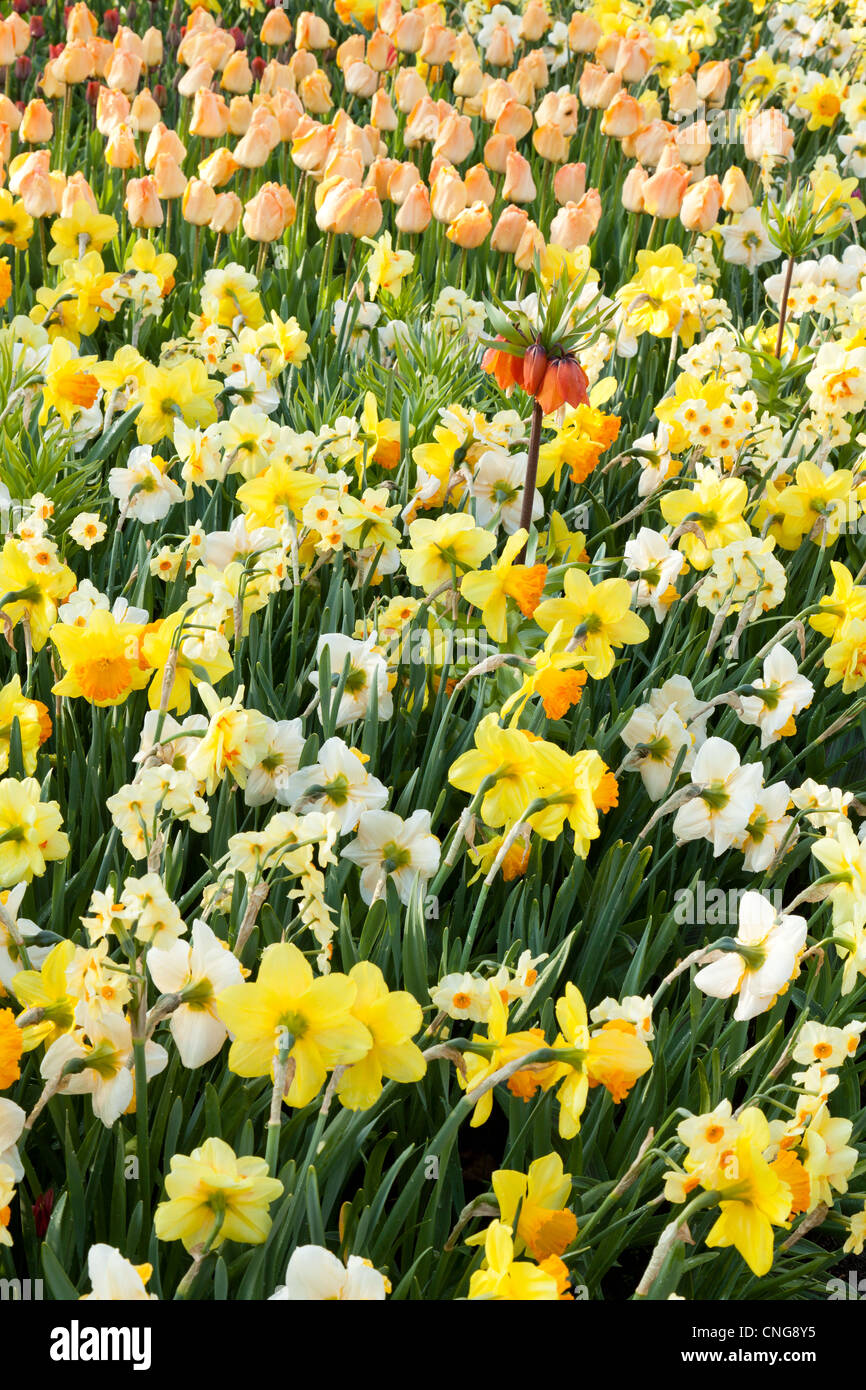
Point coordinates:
[[46, 989], [490, 589], [101, 659], [507, 757], [502, 1277], [753, 1199], [534, 1205], [212, 1196], [392, 1018], [287, 1001], [30, 833], [596, 619], [442, 549]]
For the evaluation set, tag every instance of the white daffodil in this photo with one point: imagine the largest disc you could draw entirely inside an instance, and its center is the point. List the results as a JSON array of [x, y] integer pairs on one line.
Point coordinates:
[[198, 971], [366, 669], [12, 1119], [655, 742], [285, 746], [248, 384], [316, 1275], [142, 489], [496, 487], [386, 846], [107, 1077], [337, 783], [462, 996], [768, 960], [768, 828], [657, 566], [727, 795], [114, 1279], [786, 693], [746, 241]]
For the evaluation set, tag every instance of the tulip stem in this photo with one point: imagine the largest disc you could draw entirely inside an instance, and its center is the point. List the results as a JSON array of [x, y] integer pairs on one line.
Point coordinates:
[[531, 473]]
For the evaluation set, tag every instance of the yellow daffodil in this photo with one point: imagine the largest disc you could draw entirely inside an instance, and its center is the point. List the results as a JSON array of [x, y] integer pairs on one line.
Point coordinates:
[[595, 617], [315, 1014], [102, 659], [392, 1018], [213, 1196], [490, 589]]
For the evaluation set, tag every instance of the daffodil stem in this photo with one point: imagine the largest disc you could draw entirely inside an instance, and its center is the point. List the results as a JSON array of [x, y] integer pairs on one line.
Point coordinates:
[[284, 1075], [531, 473], [783, 305], [668, 1239], [141, 1124]]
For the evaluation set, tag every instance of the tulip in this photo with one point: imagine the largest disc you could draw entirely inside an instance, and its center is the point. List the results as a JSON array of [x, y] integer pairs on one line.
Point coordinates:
[[683, 95], [437, 45], [470, 228], [382, 114], [227, 213], [401, 181], [315, 93], [276, 29], [269, 213], [569, 183], [409, 89], [210, 116], [693, 142], [736, 193], [142, 203], [597, 86], [414, 213], [74, 64], [663, 193], [218, 168], [448, 195], [500, 48], [767, 134], [509, 229], [145, 112], [713, 81], [513, 119], [584, 32], [519, 186], [478, 186], [124, 72], [312, 32], [163, 141], [531, 245], [196, 79], [37, 127], [575, 224], [633, 187], [497, 150], [121, 150], [169, 177], [409, 32], [199, 203], [550, 143], [701, 205], [622, 117], [650, 142], [455, 140]]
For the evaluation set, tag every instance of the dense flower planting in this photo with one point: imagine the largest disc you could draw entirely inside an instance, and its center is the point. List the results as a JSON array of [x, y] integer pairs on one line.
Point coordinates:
[[433, 687]]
